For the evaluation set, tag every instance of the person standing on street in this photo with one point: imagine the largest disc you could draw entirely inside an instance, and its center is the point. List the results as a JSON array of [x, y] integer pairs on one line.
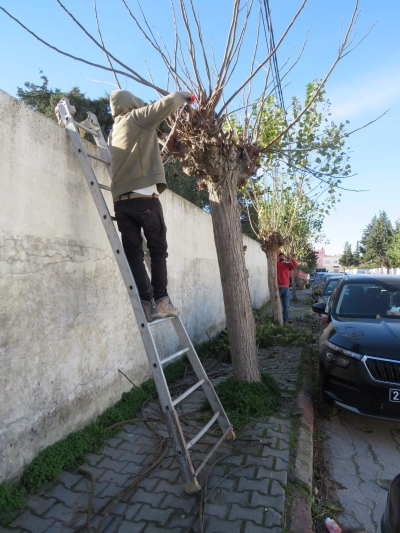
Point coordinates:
[[283, 272], [138, 178]]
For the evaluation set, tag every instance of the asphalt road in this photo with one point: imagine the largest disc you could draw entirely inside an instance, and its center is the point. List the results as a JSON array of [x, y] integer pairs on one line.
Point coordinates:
[[361, 451]]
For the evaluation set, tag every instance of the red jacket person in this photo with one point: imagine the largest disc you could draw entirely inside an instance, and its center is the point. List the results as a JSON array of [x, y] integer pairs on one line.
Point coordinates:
[[283, 272]]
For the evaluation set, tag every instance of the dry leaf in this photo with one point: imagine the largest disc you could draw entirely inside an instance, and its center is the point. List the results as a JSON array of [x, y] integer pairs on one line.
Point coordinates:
[[384, 483]]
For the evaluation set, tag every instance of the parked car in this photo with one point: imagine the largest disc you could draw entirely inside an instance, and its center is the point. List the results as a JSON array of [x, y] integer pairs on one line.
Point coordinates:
[[319, 281], [312, 276], [359, 349], [329, 283]]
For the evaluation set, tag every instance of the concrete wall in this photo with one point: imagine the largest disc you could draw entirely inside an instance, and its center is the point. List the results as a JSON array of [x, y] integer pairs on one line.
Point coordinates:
[[66, 325]]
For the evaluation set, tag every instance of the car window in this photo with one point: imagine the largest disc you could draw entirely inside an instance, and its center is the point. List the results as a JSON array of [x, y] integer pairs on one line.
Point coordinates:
[[368, 300], [330, 286]]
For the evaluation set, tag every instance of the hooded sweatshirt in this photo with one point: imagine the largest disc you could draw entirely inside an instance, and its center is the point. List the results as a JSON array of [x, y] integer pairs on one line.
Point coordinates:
[[133, 143]]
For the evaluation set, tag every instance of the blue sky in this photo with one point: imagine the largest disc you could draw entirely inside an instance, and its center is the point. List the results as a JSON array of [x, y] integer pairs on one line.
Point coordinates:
[[364, 85]]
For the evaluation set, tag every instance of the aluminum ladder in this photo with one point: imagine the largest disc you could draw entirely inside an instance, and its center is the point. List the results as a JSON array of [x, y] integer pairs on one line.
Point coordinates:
[[64, 112]]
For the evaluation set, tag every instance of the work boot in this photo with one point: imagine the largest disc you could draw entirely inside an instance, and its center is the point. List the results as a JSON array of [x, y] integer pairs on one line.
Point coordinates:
[[166, 308], [151, 310]]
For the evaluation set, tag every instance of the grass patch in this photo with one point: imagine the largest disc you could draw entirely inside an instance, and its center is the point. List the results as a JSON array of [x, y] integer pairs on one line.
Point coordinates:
[[69, 452], [245, 401], [217, 348], [269, 334]]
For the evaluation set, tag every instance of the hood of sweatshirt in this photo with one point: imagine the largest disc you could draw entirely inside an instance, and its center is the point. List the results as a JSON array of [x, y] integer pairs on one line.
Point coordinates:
[[123, 102]]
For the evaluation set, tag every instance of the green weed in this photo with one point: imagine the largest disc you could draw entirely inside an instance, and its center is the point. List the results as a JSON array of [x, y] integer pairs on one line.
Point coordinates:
[[69, 452], [244, 401]]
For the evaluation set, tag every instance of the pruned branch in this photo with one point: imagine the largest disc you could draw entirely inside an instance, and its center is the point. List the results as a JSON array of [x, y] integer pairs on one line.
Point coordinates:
[[133, 76], [229, 100], [102, 42]]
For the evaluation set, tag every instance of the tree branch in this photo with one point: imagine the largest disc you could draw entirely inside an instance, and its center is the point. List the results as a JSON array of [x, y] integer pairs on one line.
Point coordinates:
[[102, 42]]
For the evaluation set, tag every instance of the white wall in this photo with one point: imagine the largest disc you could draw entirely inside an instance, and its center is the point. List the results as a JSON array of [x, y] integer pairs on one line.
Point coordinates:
[[66, 325], [392, 271]]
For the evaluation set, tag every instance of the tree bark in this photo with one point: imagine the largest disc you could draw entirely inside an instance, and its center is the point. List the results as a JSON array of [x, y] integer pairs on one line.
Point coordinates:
[[273, 285], [234, 280], [294, 295]]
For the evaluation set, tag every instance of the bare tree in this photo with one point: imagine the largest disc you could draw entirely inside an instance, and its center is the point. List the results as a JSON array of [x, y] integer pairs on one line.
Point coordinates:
[[208, 142]]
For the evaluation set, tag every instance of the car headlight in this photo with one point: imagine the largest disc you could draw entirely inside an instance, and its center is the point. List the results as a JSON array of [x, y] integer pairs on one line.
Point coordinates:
[[343, 351], [337, 360]]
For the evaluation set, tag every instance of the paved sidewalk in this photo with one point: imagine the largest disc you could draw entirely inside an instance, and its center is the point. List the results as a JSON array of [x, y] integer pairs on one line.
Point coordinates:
[[245, 490]]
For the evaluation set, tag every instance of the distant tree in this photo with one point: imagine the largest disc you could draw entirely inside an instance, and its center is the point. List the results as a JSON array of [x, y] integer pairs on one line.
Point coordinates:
[[185, 185], [394, 249], [347, 259], [376, 241], [44, 100], [357, 255], [311, 260]]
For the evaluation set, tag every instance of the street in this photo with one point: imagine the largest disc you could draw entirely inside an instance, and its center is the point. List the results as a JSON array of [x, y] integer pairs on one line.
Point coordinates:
[[362, 451]]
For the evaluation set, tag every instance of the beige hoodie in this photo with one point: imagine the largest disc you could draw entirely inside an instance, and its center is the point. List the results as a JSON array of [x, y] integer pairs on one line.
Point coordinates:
[[134, 146]]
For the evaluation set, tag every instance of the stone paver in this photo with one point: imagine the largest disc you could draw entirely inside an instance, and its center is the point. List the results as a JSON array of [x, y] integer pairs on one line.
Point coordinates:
[[245, 490]]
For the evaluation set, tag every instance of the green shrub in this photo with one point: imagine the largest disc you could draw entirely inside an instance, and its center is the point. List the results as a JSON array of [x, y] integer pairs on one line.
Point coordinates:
[[244, 401]]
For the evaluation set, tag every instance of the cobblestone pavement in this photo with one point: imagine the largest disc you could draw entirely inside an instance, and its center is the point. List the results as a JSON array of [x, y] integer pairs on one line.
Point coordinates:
[[245, 491]]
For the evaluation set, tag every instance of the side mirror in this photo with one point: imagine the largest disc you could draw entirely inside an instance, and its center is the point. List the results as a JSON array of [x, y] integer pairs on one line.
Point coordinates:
[[319, 308]]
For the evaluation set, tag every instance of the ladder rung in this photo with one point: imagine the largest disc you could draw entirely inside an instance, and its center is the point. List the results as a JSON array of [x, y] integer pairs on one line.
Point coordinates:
[[105, 187], [189, 391], [161, 320], [202, 431], [82, 127], [216, 445], [98, 158], [177, 354]]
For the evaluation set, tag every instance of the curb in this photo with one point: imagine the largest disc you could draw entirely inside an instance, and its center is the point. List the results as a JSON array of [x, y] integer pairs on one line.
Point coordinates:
[[301, 518]]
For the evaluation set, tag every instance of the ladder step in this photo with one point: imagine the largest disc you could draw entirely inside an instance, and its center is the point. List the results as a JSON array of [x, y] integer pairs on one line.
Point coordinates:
[[161, 320], [204, 430], [189, 391], [82, 127], [98, 158], [210, 453], [105, 187], [177, 354]]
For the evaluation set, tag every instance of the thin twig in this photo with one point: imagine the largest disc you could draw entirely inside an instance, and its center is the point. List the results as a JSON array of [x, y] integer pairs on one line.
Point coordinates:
[[102, 42]]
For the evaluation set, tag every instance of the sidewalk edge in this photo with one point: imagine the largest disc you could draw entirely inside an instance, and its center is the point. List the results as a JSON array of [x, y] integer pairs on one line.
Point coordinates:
[[301, 517]]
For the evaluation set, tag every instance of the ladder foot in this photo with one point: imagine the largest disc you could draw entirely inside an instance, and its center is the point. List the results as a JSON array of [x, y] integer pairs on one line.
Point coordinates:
[[193, 486], [231, 436]]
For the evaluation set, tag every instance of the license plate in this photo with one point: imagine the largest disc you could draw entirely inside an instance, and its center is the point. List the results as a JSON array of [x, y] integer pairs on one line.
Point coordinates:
[[394, 395]]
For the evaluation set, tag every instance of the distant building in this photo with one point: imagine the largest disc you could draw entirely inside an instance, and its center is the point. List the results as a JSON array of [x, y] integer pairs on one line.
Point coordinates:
[[330, 262], [321, 255]]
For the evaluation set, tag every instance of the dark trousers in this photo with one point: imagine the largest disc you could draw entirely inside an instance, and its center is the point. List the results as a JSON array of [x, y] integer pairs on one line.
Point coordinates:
[[146, 213], [285, 299]]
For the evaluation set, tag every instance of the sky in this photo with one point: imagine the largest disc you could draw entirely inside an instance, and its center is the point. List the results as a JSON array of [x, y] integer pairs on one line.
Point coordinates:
[[365, 84]]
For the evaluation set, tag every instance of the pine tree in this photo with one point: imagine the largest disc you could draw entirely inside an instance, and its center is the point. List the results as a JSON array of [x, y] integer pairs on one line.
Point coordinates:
[[376, 241], [394, 249], [347, 259]]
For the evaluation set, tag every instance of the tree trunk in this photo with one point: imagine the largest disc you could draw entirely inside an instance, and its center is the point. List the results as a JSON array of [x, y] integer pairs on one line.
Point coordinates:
[[234, 280], [273, 285], [294, 295]]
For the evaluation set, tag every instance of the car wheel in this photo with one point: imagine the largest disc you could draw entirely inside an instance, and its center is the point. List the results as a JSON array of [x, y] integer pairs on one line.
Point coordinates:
[[325, 407]]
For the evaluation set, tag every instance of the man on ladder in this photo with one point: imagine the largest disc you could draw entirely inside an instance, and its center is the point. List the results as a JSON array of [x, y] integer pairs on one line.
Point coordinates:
[[138, 178]]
